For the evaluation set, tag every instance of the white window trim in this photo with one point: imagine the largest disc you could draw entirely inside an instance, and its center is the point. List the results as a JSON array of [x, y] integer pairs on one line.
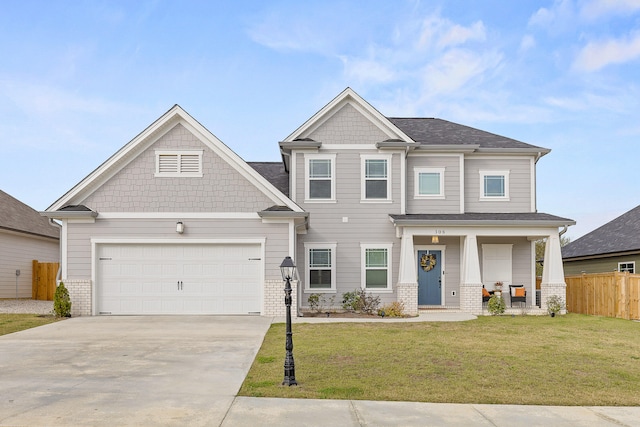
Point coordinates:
[[178, 154], [628, 262], [416, 179], [363, 263], [308, 157], [307, 270], [363, 179], [504, 173]]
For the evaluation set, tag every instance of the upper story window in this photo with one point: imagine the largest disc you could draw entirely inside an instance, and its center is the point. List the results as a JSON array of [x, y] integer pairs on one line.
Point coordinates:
[[321, 262], [494, 185], [320, 177], [186, 163], [376, 268], [429, 183], [376, 182], [627, 266]]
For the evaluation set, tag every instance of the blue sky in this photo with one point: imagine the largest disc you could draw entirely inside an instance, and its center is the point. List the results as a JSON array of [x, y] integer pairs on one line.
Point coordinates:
[[79, 79]]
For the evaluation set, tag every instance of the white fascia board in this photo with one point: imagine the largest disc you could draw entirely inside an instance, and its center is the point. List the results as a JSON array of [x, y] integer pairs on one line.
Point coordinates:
[[480, 231], [176, 241], [351, 97], [181, 215]]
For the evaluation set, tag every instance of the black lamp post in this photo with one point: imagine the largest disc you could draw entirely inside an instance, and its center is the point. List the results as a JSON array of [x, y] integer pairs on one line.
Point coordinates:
[[288, 269]]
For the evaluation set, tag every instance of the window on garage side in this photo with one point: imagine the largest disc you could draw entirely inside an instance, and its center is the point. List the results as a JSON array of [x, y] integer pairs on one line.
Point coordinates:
[[429, 183], [179, 163], [320, 272], [629, 266], [320, 179], [376, 269], [494, 185]]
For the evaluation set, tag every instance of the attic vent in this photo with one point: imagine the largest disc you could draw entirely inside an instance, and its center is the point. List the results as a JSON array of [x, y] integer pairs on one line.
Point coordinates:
[[178, 163]]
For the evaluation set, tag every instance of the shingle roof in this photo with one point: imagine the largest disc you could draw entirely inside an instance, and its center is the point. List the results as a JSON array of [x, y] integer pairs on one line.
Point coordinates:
[[274, 173], [620, 235], [16, 216], [532, 218], [431, 131]]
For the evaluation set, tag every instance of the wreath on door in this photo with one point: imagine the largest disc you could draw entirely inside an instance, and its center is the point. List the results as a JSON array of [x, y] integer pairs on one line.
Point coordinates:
[[427, 262]]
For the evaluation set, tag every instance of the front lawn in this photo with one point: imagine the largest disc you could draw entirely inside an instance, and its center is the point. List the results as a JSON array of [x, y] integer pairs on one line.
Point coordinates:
[[566, 360], [10, 323]]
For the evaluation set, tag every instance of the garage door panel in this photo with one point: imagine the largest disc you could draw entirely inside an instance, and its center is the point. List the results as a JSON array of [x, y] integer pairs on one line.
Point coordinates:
[[179, 279]]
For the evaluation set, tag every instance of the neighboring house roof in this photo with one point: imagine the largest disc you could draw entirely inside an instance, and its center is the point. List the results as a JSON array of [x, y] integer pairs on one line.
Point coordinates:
[[525, 218], [620, 235], [431, 131], [274, 173], [16, 216]]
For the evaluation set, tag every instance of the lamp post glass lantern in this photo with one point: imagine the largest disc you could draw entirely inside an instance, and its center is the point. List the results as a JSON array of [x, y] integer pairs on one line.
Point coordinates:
[[288, 269]]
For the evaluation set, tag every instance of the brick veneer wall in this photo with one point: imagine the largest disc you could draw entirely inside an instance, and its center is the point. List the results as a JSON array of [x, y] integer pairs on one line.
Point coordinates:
[[408, 296], [274, 298], [80, 295], [470, 298], [548, 289]]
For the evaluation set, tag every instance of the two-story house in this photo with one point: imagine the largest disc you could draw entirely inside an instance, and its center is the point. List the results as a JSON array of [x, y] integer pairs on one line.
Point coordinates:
[[423, 211]]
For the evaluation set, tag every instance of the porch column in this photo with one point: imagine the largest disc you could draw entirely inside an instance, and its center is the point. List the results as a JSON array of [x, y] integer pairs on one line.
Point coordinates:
[[552, 272], [470, 279], [407, 286]]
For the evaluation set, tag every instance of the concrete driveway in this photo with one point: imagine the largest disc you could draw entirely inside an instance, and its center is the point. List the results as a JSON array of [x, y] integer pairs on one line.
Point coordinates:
[[165, 370]]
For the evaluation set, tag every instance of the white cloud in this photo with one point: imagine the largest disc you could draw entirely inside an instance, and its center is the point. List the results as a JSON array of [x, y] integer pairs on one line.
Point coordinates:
[[441, 33], [558, 17], [456, 68], [595, 9], [367, 70], [597, 55], [527, 42]]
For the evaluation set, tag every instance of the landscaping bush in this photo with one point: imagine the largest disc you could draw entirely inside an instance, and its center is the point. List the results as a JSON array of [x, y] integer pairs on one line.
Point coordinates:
[[496, 305], [62, 302], [395, 309], [360, 301], [554, 305]]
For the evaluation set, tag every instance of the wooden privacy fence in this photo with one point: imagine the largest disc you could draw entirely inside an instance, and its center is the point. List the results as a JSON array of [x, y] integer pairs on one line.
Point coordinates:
[[43, 280], [604, 294]]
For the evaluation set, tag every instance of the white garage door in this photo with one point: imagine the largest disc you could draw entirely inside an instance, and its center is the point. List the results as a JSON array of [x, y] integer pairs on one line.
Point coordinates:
[[178, 279]]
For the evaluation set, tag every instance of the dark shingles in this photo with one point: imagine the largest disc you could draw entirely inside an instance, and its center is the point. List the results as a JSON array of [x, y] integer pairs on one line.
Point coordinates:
[[16, 216], [429, 131], [484, 217], [620, 235], [274, 173]]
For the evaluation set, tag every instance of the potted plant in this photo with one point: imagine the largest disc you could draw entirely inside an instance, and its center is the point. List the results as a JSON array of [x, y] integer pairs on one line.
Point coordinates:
[[554, 305], [498, 288]]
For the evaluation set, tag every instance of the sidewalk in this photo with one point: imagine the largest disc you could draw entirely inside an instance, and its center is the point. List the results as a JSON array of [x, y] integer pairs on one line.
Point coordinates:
[[251, 411]]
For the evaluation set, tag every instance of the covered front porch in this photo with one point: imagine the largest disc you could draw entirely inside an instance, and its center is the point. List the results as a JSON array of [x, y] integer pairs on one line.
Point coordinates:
[[447, 259]]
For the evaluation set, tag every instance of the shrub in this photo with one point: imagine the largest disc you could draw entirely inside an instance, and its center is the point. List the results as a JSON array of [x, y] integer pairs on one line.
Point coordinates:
[[554, 305], [61, 301], [314, 302], [395, 309], [360, 300], [496, 305]]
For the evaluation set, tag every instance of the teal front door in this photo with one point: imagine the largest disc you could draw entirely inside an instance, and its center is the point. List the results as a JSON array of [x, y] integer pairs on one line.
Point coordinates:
[[429, 277]]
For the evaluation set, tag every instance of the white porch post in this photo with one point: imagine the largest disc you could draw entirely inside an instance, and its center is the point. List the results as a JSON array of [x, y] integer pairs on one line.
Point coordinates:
[[407, 286], [552, 272], [471, 280]]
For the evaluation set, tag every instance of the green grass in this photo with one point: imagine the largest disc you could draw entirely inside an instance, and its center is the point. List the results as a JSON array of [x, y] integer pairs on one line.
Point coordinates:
[[10, 323], [566, 360]]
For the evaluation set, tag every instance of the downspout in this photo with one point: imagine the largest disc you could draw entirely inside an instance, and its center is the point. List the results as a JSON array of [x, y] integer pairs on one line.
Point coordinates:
[[564, 230], [59, 273]]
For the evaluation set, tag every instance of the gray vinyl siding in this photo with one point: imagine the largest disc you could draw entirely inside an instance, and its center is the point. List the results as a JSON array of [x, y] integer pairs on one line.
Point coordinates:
[[519, 184], [17, 252], [368, 222], [136, 189], [80, 234], [599, 265], [451, 202]]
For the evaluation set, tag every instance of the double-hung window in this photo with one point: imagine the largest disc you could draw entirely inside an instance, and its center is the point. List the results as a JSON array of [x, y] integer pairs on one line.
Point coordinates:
[[494, 185], [376, 181], [627, 266], [321, 262], [320, 179], [429, 183], [187, 163], [376, 267]]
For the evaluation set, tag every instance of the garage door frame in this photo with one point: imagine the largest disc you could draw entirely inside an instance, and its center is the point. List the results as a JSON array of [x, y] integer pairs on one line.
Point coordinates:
[[95, 242]]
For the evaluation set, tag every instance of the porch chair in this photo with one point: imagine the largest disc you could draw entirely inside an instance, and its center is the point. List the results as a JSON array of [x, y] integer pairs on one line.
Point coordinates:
[[518, 293], [485, 295]]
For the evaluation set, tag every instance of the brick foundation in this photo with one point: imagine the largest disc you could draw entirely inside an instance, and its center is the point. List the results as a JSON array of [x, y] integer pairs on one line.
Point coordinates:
[[407, 294], [80, 295], [471, 298], [274, 298]]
